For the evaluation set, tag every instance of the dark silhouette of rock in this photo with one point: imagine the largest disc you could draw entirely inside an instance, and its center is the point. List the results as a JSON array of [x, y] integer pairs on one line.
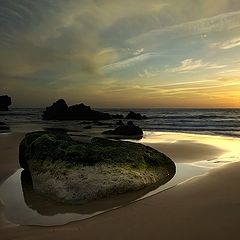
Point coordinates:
[[97, 123], [117, 116], [5, 102], [4, 127], [87, 127], [86, 122], [120, 123], [60, 111], [136, 116], [74, 171], [56, 129], [126, 130]]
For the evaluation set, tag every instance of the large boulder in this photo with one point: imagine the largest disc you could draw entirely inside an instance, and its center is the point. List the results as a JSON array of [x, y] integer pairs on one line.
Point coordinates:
[[5, 102], [57, 111], [135, 116], [48, 207], [61, 111], [3, 127], [72, 171], [128, 129]]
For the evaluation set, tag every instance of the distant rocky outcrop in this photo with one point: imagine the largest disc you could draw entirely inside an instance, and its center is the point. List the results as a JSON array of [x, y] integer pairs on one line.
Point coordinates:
[[119, 123], [87, 127], [76, 172], [61, 111], [117, 116], [5, 102], [4, 127], [128, 129], [135, 116]]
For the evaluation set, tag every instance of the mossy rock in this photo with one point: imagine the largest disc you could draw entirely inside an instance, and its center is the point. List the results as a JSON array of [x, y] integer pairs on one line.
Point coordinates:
[[77, 171], [4, 127]]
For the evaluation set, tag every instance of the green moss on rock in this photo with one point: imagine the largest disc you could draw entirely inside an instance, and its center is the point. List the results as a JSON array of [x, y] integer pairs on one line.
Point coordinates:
[[72, 170], [45, 146]]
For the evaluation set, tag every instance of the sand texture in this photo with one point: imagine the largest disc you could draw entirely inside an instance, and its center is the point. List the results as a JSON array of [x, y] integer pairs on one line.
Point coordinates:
[[206, 207]]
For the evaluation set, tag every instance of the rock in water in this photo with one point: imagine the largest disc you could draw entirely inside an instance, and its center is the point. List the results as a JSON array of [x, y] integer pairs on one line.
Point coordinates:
[[57, 111], [73, 171], [136, 116], [119, 123], [5, 102], [61, 111], [3, 127], [117, 116], [125, 130]]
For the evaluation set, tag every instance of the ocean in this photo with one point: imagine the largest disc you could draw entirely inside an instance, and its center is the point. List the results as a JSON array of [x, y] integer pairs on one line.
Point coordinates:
[[204, 121], [193, 156]]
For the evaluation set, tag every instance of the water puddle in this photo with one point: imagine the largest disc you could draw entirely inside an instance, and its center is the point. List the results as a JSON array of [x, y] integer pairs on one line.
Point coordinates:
[[25, 207]]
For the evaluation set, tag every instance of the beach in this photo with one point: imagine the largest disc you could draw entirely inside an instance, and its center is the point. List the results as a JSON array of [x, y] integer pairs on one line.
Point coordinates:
[[119, 120], [206, 206]]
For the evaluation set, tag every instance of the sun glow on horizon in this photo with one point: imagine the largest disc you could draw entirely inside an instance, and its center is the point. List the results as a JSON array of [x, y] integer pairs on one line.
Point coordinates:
[[152, 53]]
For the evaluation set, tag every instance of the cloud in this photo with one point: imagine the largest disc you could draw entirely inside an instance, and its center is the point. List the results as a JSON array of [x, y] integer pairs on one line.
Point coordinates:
[[129, 62], [73, 48], [189, 65], [236, 71], [139, 51], [219, 23], [221, 92], [148, 74], [227, 44]]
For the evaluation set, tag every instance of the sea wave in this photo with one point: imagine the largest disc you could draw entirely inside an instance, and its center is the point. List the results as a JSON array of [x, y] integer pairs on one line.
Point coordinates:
[[209, 121]]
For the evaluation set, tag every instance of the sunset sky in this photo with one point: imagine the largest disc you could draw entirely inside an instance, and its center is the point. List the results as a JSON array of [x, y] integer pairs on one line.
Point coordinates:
[[107, 53]]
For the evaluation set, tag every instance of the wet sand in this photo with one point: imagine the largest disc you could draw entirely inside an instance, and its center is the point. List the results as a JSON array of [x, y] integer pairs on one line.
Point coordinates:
[[187, 151], [9, 144], [204, 207]]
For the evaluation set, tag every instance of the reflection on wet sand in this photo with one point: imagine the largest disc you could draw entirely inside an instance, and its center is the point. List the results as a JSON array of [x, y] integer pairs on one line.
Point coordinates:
[[23, 206], [48, 207], [199, 151]]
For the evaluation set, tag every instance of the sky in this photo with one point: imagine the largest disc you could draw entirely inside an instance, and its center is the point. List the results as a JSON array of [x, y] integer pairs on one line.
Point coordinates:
[[109, 53]]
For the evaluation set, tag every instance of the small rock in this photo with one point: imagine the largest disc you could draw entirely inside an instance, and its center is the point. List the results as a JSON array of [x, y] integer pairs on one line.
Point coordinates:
[[117, 116], [125, 130], [4, 127], [136, 116], [120, 123], [5, 102], [87, 127]]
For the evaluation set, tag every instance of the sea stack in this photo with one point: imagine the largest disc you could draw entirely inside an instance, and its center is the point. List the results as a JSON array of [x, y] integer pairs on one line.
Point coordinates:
[[5, 102], [59, 110]]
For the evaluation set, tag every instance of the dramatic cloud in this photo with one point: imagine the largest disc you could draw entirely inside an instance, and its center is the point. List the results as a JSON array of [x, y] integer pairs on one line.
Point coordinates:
[[228, 44], [139, 51], [189, 65], [110, 53]]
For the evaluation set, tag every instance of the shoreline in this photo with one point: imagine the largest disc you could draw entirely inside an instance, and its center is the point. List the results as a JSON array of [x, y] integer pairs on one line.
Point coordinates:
[[8, 165]]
